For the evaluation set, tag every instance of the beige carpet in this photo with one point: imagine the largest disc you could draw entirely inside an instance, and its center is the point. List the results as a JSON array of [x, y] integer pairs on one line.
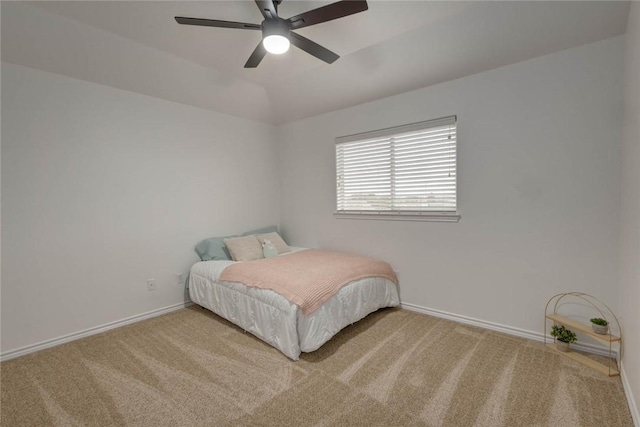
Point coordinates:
[[191, 368]]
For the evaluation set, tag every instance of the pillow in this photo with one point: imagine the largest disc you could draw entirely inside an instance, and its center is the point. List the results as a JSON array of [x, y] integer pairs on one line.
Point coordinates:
[[277, 241], [265, 230], [245, 248], [213, 249]]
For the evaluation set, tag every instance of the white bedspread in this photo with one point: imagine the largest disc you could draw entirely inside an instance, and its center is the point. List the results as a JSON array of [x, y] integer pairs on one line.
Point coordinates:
[[277, 321]]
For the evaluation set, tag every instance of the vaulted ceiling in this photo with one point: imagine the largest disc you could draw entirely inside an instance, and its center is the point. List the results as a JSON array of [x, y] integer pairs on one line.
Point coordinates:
[[394, 47]]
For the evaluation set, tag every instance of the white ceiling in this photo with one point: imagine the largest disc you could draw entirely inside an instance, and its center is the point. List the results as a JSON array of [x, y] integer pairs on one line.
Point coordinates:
[[394, 47]]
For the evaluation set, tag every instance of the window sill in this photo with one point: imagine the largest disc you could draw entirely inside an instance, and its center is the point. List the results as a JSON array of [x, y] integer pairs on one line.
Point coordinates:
[[427, 216]]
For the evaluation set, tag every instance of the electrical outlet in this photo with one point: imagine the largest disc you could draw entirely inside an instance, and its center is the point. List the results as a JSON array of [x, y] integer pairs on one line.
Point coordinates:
[[151, 284], [180, 278]]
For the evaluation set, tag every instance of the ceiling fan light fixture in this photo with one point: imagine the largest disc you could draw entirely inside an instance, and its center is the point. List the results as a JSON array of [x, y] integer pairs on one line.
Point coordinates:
[[275, 36], [276, 44]]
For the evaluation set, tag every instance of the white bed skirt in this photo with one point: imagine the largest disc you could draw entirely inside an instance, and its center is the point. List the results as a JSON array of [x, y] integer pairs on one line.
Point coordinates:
[[280, 323]]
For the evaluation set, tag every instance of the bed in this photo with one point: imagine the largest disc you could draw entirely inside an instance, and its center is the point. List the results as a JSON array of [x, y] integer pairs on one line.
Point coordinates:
[[276, 320]]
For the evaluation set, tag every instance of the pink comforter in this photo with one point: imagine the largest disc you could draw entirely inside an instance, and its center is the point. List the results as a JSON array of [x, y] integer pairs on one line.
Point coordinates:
[[307, 278]]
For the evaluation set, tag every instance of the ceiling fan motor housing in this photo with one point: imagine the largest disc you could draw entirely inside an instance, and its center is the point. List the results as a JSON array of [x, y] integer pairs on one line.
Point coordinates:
[[275, 27]]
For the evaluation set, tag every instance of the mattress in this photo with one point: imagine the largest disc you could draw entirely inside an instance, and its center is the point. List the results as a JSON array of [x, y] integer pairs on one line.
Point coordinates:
[[277, 321]]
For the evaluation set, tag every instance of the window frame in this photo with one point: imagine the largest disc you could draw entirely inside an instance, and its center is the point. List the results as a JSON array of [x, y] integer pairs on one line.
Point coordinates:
[[399, 215]]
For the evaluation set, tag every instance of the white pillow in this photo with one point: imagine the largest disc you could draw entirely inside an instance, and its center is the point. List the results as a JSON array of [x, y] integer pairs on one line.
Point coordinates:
[[245, 248], [277, 241]]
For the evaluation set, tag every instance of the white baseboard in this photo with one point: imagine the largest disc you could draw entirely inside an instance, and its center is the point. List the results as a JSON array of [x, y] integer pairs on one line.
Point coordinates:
[[523, 333], [633, 408], [11, 354]]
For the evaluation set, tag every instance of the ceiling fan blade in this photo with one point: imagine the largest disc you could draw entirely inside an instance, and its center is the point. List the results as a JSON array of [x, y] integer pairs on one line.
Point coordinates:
[[328, 13], [256, 56], [217, 23], [313, 48], [267, 8]]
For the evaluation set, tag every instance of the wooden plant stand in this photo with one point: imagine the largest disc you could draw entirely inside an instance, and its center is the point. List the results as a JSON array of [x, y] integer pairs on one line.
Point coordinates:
[[609, 339]]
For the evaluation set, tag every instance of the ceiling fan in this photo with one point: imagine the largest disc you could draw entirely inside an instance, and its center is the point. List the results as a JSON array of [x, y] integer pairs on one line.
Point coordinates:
[[276, 31]]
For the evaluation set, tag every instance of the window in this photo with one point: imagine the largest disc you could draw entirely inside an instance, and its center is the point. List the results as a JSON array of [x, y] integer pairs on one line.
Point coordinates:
[[405, 172]]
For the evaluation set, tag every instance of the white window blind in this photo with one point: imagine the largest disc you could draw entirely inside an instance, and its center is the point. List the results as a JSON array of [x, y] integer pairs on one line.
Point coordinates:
[[407, 169]]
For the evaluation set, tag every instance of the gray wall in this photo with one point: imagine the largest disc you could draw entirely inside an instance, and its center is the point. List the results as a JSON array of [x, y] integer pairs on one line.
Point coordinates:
[[630, 215], [538, 188], [103, 189]]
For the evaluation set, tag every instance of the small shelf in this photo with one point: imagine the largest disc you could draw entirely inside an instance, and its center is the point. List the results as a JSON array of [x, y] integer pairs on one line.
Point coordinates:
[[612, 372], [605, 338], [608, 339]]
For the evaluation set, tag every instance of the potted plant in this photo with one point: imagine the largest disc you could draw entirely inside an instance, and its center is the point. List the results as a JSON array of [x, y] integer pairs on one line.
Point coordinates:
[[600, 326], [563, 337]]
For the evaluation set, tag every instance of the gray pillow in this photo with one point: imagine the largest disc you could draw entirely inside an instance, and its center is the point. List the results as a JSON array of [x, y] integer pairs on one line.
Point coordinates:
[[213, 249], [265, 230]]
